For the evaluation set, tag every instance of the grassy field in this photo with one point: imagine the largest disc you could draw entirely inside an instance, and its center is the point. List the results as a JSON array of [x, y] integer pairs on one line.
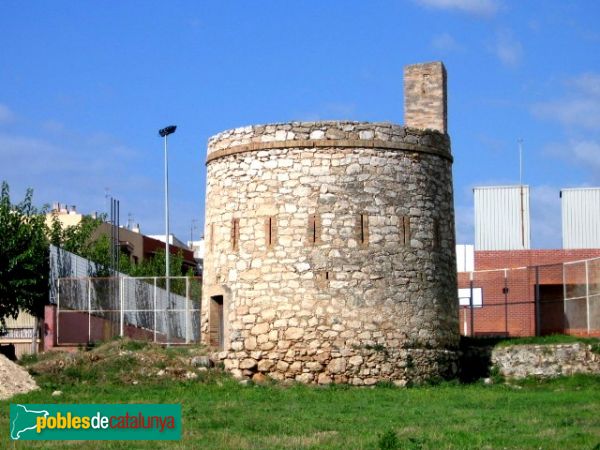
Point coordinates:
[[219, 413]]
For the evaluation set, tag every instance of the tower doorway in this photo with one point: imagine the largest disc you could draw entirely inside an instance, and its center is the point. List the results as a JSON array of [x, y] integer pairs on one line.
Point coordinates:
[[216, 322]]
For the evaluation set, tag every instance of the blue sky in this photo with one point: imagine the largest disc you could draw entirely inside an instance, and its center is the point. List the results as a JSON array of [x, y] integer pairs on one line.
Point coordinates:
[[84, 87]]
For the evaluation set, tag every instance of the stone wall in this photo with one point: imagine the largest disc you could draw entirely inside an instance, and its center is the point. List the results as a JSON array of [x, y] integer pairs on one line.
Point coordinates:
[[425, 102], [546, 361], [331, 245]]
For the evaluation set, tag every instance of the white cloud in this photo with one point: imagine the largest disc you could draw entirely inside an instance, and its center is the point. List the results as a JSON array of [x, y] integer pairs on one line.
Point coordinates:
[[508, 49], [445, 43], [74, 171], [583, 153], [587, 84], [580, 107], [476, 7], [6, 115], [579, 112]]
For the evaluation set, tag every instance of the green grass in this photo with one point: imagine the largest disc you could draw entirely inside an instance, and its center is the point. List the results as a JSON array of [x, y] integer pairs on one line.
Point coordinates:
[[548, 340], [219, 413]]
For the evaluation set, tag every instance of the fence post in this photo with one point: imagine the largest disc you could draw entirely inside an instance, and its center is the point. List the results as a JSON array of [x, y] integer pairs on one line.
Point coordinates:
[[471, 304], [187, 310], [564, 297], [89, 310], [505, 291], [57, 311], [154, 301], [122, 305], [587, 295], [538, 312]]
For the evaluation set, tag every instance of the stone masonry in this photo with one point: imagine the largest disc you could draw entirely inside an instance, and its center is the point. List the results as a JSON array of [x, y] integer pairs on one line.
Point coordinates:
[[425, 103], [546, 361], [330, 253]]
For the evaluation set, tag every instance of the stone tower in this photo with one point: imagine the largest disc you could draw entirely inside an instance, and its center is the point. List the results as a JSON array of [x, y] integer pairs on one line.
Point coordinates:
[[330, 246]]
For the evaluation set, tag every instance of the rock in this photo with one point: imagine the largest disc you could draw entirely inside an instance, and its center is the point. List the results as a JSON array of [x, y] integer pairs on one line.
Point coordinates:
[[294, 333], [305, 377], [201, 361], [247, 363], [337, 365], [324, 379], [56, 393], [260, 328], [259, 378], [191, 375], [355, 360], [250, 343], [314, 366], [264, 365], [160, 373]]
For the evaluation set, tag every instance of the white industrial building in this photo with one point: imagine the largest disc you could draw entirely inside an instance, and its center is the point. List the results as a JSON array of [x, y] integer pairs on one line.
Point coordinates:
[[580, 217], [502, 218]]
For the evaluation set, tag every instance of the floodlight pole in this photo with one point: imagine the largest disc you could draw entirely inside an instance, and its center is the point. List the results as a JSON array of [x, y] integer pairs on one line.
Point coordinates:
[[164, 133], [167, 253]]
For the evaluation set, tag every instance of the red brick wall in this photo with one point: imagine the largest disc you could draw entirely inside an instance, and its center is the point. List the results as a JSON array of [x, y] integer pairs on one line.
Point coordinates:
[[513, 312]]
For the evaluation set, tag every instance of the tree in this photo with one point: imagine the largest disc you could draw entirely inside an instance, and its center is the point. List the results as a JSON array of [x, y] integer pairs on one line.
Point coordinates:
[[78, 239], [23, 257]]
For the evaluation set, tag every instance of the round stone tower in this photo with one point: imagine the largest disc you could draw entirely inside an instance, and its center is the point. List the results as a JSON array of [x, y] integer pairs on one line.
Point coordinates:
[[329, 252]]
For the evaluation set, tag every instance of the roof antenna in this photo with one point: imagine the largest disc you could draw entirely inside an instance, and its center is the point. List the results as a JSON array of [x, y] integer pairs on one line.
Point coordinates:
[[520, 142]]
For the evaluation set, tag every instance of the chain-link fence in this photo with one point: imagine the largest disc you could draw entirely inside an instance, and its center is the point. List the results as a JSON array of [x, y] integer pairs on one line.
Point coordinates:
[[530, 301], [159, 309]]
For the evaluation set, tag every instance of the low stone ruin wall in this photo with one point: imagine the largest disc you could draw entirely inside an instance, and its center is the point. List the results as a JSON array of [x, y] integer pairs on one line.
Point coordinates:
[[546, 361]]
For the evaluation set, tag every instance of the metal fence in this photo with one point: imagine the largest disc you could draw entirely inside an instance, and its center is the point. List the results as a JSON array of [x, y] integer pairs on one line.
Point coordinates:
[[22, 333], [98, 309], [532, 301]]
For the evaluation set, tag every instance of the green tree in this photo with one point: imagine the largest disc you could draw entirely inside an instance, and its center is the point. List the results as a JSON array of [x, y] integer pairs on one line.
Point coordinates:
[[79, 239], [23, 257]]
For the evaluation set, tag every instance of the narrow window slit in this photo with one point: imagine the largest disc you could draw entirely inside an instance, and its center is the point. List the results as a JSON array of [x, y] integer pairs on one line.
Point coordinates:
[[235, 234], [405, 231]]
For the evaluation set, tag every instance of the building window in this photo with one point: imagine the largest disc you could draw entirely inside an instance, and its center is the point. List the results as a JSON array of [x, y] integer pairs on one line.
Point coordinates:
[[270, 231], [314, 229], [405, 231], [235, 234]]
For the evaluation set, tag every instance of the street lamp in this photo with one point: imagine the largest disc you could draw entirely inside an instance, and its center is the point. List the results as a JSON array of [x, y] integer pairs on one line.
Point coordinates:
[[164, 132]]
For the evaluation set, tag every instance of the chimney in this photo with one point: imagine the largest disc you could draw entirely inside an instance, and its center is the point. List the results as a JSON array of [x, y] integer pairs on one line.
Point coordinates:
[[425, 98]]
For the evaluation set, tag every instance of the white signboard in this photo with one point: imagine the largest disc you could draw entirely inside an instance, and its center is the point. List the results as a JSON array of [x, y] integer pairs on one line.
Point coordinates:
[[465, 294]]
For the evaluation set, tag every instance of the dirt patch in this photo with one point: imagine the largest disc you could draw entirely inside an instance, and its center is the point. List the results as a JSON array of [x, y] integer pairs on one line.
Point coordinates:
[[14, 379], [124, 361]]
